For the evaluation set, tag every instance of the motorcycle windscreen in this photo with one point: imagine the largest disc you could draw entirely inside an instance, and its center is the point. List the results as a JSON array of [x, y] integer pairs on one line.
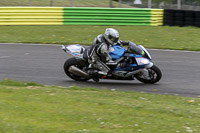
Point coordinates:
[[116, 52]]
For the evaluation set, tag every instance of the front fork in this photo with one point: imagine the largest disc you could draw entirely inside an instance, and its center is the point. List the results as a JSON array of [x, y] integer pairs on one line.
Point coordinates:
[[149, 65]]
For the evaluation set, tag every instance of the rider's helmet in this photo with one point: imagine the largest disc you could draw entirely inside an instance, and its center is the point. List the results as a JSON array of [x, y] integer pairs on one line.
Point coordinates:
[[111, 36]]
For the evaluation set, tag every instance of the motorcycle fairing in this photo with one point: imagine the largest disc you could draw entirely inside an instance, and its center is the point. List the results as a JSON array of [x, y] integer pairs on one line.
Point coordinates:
[[74, 50], [116, 52], [130, 67], [141, 63], [134, 55]]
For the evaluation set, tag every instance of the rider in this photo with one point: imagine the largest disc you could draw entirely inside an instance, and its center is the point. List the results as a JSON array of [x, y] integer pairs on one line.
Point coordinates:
[[98, 52]]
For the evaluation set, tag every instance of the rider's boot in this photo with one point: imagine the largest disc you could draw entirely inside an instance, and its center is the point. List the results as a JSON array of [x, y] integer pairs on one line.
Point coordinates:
[[94, 75]]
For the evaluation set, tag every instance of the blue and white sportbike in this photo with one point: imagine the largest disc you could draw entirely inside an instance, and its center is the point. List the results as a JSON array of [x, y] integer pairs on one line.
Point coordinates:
[[129, 63]]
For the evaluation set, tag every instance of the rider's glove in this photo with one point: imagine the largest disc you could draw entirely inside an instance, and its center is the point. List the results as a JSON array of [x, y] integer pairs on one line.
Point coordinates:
[[123, 42]]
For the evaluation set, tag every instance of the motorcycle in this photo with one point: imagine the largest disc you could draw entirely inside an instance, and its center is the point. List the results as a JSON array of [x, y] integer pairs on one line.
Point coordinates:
[[128, 63]]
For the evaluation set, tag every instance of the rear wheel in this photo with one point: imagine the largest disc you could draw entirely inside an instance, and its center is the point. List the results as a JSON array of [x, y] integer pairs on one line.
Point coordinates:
[[149, 75], [82, 65]]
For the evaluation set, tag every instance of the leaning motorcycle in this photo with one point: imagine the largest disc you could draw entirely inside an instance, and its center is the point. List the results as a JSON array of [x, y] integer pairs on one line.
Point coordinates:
[[129, 63]]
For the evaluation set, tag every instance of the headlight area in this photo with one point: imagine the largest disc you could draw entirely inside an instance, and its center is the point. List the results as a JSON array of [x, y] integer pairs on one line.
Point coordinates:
[[142, 61]]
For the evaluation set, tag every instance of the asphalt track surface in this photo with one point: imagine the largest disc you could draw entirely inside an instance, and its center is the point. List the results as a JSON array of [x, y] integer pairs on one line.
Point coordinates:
[[44, 64]]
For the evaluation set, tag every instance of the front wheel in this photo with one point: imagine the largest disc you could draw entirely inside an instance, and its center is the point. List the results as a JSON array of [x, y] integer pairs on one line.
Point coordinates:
[[150, 75]]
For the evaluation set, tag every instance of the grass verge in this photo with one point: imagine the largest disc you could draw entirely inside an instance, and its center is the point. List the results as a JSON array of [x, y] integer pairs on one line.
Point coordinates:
[[162, 37], [29, 107]]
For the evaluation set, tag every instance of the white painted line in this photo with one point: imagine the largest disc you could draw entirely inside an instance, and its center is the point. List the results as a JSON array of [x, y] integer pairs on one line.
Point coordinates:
[[26, 53], [169, 50], [3, 57], [29, 44]]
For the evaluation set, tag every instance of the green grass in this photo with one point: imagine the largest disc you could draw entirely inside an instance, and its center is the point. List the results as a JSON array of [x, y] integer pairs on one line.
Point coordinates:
[[162, 37], [32, 108], [62, 3]]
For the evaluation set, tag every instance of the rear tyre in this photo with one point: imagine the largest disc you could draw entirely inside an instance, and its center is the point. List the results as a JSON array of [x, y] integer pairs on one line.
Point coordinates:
[[77, 63], [154, 75]]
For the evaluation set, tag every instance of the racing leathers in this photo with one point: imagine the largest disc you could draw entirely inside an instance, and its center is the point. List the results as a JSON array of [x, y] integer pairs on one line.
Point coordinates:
[[98, 54]]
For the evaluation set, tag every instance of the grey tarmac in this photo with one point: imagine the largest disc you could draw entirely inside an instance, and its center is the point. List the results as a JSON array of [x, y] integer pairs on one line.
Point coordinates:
[[44, 64]]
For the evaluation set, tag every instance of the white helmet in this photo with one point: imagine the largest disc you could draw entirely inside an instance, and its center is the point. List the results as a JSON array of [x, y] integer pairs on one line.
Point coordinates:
[[111, 35]]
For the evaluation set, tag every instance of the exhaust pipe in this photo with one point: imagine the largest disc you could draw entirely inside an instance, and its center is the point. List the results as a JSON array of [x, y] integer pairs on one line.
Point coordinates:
[[78, 72]]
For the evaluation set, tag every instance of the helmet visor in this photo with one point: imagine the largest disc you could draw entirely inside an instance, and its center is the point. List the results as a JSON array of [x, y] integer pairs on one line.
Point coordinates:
[[113, 39]]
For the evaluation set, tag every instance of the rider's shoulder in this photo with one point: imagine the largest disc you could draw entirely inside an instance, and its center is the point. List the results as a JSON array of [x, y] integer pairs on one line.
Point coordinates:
[[99, 37]]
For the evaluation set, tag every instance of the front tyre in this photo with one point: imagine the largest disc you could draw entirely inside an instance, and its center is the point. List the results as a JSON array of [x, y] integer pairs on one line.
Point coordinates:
[[77, 63], [150, 75]]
